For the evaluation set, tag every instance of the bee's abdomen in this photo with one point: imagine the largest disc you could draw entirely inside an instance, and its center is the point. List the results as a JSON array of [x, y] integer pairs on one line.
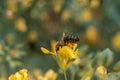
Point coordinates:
[[71, 39]]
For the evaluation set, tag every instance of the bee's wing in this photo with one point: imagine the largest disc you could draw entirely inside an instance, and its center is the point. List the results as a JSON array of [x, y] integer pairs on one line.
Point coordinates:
[[63, 35]]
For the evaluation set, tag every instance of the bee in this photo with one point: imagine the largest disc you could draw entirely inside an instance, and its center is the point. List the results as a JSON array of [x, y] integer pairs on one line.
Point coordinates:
[[65, 40]]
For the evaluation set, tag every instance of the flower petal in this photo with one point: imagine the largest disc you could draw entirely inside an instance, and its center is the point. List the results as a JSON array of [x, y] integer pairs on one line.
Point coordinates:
[[20, 75], [66, 52], [44, 50]]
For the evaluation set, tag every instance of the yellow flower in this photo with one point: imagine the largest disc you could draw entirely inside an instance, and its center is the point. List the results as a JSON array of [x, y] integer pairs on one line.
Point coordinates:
[[51, 75], [86, 15], [65, 54], [95, 4], [21, 75], [92, 34], [20, 25], [66, 15], [11, 5], [101, 71], [37, 74], [116, 41]]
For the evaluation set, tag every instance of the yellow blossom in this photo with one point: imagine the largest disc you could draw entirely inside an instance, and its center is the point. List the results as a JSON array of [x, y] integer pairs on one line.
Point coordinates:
[[11, 5], [65, 55], [33, 36], [51, 75], [25, 4], [58, 5], [21, 75], [66, 52], [43, 16], [95, 3], [116, 41], [86, 15], [65, 15], [20, 25], [92, 34], [101, 71]]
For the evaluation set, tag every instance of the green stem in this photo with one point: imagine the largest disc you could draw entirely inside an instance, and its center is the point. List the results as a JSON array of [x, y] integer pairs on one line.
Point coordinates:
[[73, 75], [65, 76]]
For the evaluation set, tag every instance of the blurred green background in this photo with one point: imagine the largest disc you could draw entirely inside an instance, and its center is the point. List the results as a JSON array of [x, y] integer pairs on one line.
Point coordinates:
[[27, 25]]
